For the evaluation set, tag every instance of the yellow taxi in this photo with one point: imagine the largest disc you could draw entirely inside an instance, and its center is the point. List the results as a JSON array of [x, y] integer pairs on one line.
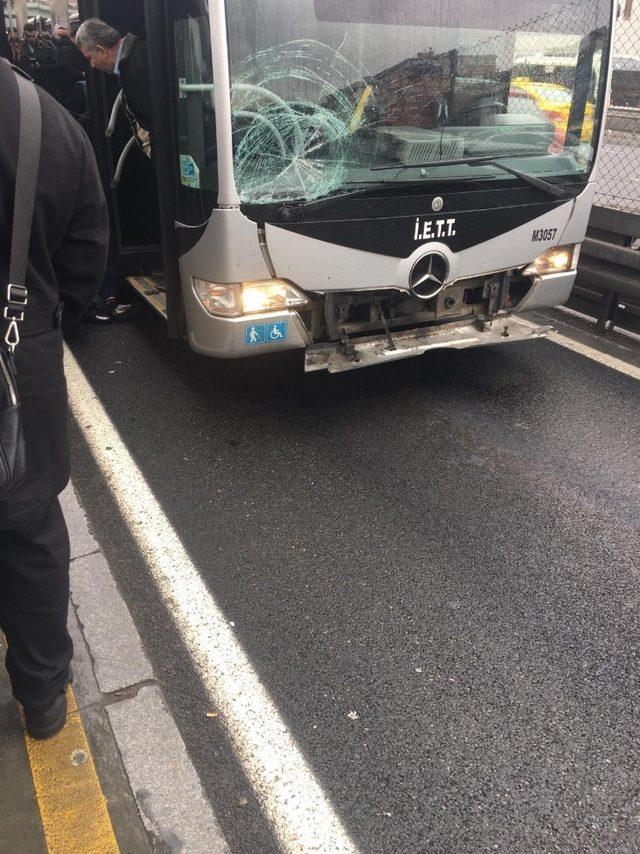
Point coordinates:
[[551, 100]]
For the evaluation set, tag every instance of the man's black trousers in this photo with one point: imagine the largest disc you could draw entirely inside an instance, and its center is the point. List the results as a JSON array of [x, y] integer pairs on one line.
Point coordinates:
[[34, 600]]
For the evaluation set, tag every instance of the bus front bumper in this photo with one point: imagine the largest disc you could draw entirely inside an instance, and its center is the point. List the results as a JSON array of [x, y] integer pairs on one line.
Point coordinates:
[[374, 350]]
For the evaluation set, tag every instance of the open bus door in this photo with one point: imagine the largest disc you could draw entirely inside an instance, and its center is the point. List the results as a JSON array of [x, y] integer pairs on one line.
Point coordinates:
[[147, 204]]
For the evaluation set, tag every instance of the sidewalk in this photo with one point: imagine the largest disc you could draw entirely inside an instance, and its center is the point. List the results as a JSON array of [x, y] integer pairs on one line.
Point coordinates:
[[118, 777]]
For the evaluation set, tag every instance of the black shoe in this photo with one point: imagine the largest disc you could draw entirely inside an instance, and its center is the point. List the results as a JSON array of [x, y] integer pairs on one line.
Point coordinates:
[[125, 311], [97, 314], [41, 725], [45, 724]]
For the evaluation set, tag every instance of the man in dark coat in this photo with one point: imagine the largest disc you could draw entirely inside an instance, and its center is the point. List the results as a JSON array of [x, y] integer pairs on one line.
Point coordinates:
[[36, 52], [108, 51], [67, 259], [38, 57]]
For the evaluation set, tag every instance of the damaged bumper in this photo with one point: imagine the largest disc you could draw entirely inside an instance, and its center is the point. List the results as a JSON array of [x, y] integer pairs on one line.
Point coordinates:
[[374, 350]]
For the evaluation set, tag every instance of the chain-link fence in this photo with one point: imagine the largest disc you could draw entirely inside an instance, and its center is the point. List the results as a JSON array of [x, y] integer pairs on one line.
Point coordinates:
[[618, 184]]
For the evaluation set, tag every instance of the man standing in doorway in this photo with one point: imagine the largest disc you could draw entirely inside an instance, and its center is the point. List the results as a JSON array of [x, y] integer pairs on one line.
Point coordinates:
[[126, 57]]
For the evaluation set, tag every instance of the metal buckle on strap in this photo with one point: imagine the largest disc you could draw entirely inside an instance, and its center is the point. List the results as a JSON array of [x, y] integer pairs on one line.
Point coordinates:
[[18, 295], [17, 298], [16, 314]]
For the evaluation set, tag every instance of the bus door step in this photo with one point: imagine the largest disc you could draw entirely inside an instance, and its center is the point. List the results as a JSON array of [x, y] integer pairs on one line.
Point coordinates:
[[148, 289]]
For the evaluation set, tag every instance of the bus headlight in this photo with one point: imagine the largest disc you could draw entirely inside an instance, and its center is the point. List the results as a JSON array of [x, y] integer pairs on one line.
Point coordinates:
[[272, 295], [238, 298], [558, 259], [218, 299]]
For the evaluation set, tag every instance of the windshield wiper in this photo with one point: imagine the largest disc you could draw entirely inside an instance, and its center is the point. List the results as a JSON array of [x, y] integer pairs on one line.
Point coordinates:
[[539, 183], [488, 160]]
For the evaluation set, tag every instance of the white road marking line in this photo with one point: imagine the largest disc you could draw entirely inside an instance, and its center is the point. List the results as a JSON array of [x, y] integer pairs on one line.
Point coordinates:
[[590, 352], [291, 798]]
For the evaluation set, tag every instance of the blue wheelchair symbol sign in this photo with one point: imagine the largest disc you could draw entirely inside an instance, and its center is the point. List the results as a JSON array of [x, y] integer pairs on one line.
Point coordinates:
[[266, 333], [255, 333], [189, 172], [277, 331]]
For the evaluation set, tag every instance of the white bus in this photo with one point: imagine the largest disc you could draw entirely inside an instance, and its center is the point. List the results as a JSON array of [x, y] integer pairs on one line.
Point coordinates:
[[355, 179]]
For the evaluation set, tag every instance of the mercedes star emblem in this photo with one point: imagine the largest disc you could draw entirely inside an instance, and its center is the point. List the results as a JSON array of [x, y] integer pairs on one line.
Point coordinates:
[[429, 275]]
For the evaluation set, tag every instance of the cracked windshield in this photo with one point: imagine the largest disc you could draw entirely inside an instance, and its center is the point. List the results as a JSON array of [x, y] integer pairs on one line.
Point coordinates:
[[330, 95]]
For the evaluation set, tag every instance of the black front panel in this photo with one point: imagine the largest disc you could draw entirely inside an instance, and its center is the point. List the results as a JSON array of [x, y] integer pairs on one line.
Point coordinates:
[[400, 236], [396, 226]]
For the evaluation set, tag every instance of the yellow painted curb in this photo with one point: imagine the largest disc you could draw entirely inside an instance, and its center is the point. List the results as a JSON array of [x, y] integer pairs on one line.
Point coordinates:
[[72, 807]]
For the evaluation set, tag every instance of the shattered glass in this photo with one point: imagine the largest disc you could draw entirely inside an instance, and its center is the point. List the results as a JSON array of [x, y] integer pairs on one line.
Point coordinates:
[[295, 116]]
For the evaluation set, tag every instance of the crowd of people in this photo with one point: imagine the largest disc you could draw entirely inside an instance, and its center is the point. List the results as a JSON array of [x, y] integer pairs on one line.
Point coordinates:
[[58, 62], [53, 61]]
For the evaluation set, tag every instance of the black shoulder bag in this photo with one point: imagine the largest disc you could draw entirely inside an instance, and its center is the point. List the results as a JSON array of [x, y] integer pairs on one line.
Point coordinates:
[[12, 446]]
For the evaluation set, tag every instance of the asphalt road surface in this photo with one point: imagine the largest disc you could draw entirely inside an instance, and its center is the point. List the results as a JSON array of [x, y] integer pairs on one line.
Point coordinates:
[[432, 565]]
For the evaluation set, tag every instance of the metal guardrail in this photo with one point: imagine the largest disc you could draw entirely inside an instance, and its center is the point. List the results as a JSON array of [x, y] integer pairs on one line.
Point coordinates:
[[609, 268], [623, 119]]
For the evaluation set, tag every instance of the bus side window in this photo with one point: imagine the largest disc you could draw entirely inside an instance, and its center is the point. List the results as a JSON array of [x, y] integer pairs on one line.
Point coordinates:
[[197, 151]]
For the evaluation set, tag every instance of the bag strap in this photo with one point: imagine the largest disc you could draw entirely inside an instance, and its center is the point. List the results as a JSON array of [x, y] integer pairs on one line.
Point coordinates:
[[30, 141]]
